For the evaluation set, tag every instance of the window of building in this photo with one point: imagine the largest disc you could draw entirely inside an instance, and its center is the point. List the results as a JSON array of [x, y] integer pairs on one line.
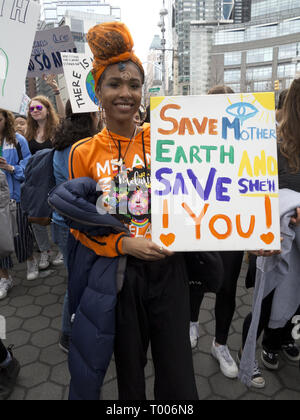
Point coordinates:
[[260, 55], [232, 58], [232, 76]]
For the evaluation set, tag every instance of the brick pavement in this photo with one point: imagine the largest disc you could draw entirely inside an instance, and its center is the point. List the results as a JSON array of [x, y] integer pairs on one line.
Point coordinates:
[[33, 314]]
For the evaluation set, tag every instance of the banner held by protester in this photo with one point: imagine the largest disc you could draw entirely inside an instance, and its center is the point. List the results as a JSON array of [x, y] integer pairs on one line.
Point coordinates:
[[18, 22], [80, 82], [215, 173], [46, 52]]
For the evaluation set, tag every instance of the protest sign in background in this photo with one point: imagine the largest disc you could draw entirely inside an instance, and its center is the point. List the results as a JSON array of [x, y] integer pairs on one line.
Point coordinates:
[[80, 82], [18, 23], [46, 52], [214, 172]]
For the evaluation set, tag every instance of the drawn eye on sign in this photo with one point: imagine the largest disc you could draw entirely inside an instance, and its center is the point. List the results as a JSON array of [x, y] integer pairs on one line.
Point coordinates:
[[243, 111], [3, 70]]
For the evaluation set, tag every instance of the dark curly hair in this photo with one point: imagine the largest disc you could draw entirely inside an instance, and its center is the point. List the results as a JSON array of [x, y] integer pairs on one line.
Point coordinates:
[[9, 128], [74, 128]]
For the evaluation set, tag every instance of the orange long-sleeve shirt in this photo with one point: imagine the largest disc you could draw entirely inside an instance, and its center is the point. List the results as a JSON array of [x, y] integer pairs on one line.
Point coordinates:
[[96, 158]]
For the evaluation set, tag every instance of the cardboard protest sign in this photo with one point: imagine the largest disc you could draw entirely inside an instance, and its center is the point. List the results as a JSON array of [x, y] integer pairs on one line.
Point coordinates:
[[46, 53], [214, 172], [24, 104], [18, 23], [80, 82]]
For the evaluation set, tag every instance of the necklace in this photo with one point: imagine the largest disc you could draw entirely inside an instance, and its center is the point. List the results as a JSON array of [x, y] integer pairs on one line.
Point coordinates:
[[121, 162]]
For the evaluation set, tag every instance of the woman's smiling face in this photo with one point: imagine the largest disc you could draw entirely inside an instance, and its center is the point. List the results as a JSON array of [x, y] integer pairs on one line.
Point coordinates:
[[121, 92]]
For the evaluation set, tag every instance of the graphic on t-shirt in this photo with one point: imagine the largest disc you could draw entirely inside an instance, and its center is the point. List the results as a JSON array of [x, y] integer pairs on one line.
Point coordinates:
[[130, 196]]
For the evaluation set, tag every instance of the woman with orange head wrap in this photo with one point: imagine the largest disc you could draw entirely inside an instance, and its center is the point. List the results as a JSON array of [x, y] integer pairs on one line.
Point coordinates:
[[154, 301]]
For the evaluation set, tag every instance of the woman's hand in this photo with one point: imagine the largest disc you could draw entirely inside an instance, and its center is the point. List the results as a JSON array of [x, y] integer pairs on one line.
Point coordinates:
[[296, 220], [262, 253], [50, 80], [5, 166], [144, 249]]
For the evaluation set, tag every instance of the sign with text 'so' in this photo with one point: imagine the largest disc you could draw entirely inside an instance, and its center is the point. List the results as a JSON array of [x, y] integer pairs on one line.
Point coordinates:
[[18, 23], [215, 173], [80, 82], [46, 52]]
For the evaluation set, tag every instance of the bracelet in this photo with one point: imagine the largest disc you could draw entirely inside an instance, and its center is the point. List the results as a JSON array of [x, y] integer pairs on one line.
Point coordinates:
[[56, 92]]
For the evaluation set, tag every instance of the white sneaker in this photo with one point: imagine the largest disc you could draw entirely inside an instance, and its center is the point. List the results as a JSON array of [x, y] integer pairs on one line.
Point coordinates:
[[59, 259], [227, 364], [5, 286], [44, 260], [32, 270], [194, 334]]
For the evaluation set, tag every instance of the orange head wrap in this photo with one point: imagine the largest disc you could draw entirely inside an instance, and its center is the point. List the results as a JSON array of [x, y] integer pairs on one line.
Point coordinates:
[[111, 43]]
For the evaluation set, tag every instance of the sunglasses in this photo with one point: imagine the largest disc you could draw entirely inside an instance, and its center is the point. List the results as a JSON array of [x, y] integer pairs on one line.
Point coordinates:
[[38, 108]]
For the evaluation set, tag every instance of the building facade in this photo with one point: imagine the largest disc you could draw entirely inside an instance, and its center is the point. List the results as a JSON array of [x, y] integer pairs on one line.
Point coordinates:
[[253, 56], [208, 13], [55, 10]]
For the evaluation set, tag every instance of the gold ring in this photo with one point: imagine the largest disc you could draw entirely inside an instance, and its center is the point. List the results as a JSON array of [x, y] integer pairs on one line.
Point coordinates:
[[161, 249]]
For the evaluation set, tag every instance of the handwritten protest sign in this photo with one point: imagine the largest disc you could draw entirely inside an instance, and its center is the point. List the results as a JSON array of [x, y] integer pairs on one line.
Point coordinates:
[[18, 23], [46, 53], [80, 82], [215, 172]]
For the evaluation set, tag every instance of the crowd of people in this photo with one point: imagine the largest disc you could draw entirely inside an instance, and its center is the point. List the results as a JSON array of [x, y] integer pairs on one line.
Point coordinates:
[[124, 291]]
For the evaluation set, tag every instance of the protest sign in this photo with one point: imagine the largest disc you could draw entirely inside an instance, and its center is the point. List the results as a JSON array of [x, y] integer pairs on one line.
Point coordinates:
[[215, 172], [24, 104], [80, 82], [18, 22], [46, 52]]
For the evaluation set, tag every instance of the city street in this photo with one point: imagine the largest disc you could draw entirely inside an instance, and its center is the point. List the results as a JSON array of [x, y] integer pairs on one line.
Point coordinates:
[[33, 314]]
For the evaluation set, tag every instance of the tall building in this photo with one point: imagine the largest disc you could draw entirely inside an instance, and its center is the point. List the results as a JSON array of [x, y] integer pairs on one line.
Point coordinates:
[[253, 56], [208, 13], [55, 10], [242, 11]]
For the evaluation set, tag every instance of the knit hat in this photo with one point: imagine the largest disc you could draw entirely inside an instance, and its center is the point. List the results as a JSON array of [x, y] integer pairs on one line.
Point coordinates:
[[111, 43]]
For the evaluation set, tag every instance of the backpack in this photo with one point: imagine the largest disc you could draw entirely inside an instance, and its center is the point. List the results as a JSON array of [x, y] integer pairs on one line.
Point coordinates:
[[6, 228], [39, 181]]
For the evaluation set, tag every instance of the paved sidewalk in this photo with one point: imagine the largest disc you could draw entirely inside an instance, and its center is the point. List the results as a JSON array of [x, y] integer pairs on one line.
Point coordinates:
[[33, 314]]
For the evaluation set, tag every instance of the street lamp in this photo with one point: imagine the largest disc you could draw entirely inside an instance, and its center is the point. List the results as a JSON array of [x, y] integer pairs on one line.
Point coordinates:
[[163, 13]]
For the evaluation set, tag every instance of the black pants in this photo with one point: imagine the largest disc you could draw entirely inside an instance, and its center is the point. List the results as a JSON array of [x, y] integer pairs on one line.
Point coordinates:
[[3, 352], [273, 339], [225, 298], [153, 307], [23, 242]]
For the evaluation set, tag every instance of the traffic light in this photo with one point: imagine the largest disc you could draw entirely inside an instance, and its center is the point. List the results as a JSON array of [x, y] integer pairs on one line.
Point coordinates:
[[276, 85]]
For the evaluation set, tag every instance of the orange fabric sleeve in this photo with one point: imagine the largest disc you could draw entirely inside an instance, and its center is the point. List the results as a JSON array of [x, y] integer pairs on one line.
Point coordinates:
[[105, 246]]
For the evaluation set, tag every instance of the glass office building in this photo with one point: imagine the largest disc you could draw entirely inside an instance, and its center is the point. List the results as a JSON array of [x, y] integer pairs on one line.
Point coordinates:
[[264, 50], [185, 12], [55, 10]]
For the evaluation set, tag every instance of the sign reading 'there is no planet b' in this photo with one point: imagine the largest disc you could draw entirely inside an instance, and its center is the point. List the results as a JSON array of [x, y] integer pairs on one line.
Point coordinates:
[[215, 172]]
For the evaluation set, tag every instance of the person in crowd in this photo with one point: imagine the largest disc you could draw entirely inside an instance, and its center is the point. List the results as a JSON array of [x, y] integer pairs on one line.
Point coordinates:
[[280, 339], [9, 371], [279, 109], [225, 298], [140, 116], [21, 124], [14, 157], [153, 304], [73, 128], [42, 122], [51, 81]]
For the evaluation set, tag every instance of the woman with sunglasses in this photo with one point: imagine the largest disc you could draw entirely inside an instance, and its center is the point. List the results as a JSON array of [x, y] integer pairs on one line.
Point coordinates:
[[13, 164], [42, 121]]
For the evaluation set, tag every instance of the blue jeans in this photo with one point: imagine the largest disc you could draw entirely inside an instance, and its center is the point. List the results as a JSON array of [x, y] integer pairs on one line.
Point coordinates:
[[60, 236]]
